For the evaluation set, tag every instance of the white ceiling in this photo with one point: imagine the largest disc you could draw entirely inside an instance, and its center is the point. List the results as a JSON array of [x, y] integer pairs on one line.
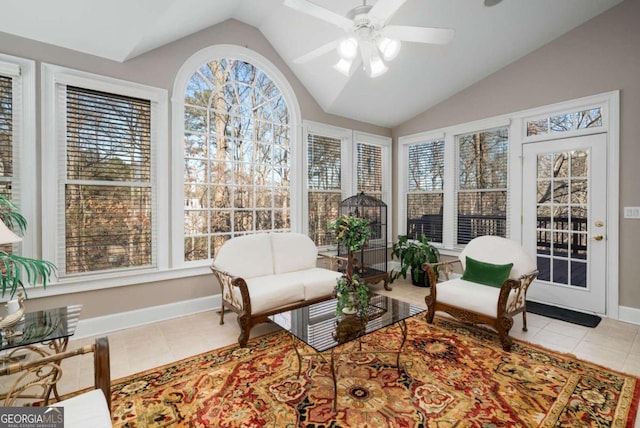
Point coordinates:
[[487, 39]]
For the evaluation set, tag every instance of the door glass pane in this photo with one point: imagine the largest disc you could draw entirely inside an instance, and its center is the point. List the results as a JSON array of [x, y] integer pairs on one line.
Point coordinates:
[[562, 217]]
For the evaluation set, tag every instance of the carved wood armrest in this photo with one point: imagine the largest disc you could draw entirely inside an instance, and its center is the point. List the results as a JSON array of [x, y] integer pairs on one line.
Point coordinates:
[[35, 379], [520, 285], [443, 267], [335, 262], [227, 282]]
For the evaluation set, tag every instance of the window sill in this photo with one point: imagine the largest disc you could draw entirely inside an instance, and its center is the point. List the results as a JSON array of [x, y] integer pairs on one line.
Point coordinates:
[[99, 282]]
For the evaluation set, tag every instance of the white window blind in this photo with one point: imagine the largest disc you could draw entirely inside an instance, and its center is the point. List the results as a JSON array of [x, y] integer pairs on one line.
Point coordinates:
[[369, 169], [324, 185], [482, 193], [6, 136], [425, 196], [108, 188]]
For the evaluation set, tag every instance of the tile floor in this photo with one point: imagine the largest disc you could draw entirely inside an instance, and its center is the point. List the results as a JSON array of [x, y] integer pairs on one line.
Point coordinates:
[[612, 344]]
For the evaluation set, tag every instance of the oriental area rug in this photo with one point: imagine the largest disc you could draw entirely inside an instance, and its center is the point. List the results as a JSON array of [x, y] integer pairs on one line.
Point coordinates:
[[452, 376]]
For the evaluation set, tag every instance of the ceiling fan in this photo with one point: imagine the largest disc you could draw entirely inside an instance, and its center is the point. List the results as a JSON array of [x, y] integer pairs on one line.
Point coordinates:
[[367, 31]]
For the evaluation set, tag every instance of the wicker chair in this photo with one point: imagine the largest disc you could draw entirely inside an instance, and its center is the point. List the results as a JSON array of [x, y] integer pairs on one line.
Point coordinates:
[[476, 302]]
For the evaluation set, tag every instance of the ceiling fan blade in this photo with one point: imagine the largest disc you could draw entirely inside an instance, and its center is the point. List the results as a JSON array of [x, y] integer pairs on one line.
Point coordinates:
[[383, 10], [317, 52], [316, 11], [437, 36]]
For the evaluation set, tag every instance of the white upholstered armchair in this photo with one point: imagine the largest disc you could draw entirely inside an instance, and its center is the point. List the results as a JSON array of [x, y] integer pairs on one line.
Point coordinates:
[[492, 289]]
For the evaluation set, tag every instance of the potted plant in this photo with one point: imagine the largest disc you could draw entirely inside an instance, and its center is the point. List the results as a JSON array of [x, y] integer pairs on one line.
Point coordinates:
[[15, 269], [352, 293], [412, 253]]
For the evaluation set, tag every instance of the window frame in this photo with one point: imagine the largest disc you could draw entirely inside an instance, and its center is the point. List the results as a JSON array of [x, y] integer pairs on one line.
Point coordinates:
[[53, 164], [348, 167], [450, 136], [190, 66], [24, 180]]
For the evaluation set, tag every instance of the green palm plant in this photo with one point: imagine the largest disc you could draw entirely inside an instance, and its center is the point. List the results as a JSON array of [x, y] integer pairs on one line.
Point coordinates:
[[412, 253], [16, 269]]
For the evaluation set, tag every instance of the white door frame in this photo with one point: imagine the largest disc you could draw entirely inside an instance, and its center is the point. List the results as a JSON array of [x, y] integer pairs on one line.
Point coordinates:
[[591, 297], [610, 104]]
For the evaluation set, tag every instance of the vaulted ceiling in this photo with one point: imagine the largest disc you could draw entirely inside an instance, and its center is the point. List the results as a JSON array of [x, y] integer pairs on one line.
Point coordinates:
[[486, 39]]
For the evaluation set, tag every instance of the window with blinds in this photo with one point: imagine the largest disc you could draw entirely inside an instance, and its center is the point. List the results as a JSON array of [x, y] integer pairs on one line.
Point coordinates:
[[6, 135], [108, 190], [324, 185], [369, 169], [482, 193], [425, 196]]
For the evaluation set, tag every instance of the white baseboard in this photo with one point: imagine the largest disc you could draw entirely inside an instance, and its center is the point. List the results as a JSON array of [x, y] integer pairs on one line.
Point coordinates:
[[102, 325], [630, 315]]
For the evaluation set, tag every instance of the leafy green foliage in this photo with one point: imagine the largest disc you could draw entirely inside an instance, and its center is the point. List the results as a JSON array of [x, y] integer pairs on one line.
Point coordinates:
[[15, 269], [352, 232], [412, 253], [346, 288]]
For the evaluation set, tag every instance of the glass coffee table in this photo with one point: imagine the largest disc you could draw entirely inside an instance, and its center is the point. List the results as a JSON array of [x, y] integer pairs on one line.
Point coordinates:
[[39, 334], [318, 326]]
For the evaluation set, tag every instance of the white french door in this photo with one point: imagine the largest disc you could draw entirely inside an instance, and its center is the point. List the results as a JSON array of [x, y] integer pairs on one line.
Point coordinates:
[[564, 220]]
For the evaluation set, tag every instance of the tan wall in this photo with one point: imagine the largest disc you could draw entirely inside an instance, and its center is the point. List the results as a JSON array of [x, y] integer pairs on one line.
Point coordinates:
[[158, 68], [601, 55]]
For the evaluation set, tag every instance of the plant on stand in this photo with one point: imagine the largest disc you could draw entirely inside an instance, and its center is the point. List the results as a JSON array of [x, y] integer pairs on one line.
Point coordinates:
[[412, 253], [351, 291]]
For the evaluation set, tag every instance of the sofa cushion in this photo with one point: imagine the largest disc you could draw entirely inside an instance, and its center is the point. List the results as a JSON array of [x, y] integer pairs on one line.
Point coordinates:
[[88, 409], [486, 273], [317, 282], [293, 252], [271, 291], [471, 296], [246, 256]]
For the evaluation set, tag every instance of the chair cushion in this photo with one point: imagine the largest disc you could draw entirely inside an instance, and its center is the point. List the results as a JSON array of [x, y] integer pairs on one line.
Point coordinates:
[[88, 409], [293, 252], [317, 282], [246, 256], [472, 297], [486, 273], [271, 291]]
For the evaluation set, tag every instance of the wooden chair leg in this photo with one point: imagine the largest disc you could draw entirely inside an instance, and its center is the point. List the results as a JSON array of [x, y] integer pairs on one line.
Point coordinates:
[[524, 320], [222, 314]]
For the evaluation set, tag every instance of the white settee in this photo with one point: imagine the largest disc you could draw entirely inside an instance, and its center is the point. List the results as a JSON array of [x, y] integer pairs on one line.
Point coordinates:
[[268, 273]]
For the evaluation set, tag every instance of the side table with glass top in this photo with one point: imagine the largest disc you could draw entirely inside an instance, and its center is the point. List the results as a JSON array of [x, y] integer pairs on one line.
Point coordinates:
[[40, 334], [318, 326]]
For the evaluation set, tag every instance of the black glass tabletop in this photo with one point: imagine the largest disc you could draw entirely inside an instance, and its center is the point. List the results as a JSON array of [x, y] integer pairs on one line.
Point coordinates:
[[319, 327]]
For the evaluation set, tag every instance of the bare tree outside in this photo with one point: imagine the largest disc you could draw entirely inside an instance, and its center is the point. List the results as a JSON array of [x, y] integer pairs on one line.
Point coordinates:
[[237, 156]]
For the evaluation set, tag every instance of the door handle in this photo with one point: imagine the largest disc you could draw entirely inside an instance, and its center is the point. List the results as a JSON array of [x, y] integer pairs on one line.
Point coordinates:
[[598, 237]]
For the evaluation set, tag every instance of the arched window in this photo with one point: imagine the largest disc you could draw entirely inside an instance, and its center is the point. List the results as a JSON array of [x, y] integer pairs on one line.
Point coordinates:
[[237, 149]]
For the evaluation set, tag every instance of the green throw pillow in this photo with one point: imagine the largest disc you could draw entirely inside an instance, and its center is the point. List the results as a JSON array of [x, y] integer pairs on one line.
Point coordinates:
[[486, 273]]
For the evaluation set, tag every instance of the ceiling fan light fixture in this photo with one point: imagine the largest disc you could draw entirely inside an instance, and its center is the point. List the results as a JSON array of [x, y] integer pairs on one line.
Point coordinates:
[[389, 48], [343, 66], [377, 67], [348, 48]]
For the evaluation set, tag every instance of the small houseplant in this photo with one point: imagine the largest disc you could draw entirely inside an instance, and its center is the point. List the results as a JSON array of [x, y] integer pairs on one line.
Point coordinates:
[[412, 253], [352, 292], [15, 269]]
